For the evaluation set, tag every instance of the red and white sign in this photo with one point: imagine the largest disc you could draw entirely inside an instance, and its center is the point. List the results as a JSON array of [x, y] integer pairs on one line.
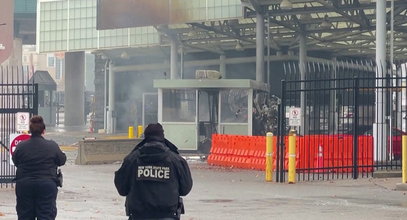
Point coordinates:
[[294, 117], [14, 140], [22, 121]]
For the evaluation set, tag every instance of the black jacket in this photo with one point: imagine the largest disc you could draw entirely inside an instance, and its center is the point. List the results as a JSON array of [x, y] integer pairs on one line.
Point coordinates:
[[153, 177], [37, 158]]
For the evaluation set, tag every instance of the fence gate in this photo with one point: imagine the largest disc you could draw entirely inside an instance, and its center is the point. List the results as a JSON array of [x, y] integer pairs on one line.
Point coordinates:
[[351, 121], [17, 94]]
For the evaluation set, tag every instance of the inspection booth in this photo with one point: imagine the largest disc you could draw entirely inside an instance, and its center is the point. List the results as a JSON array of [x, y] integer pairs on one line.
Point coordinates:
[[47, 104], [191, 110]]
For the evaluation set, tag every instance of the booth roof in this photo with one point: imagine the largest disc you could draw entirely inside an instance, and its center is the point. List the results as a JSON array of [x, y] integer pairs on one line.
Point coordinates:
[[44, 80]]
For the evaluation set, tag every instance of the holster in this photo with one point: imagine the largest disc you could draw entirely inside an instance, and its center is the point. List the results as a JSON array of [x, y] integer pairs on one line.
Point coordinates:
[[60, 178], [180, 209]]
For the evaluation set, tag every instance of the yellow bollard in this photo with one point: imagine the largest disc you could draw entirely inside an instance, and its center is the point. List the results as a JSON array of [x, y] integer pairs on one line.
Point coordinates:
[[139, 131], [404, 159], [131, 132], [291, 156], [269, 157]]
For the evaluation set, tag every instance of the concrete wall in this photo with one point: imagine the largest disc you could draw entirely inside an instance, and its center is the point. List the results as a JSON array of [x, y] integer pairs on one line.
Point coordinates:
[[104, 151]]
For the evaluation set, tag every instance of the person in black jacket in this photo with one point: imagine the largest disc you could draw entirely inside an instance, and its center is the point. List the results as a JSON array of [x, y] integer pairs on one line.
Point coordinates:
[[153, 177], [37, 160]]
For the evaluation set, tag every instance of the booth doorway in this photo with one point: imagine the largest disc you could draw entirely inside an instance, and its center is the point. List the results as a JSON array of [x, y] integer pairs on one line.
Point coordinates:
[[208, 118]]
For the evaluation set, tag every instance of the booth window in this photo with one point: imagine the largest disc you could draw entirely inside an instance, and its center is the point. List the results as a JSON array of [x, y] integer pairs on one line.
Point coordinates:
[[179, 105], [233, 106]]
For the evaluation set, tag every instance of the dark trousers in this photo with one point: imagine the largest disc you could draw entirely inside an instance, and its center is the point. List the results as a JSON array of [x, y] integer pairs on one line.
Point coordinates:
[[36, 199], [130, 218]]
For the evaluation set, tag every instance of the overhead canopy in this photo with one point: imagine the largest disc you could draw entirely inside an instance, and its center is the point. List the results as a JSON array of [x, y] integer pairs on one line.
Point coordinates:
[[341, 27], [337, 28]]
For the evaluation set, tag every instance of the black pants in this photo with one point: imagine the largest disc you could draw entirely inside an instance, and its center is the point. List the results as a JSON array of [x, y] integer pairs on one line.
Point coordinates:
[[130, 218], [36, 199]]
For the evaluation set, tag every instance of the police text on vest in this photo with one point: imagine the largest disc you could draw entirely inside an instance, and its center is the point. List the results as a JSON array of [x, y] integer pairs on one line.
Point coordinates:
[[153, 173]]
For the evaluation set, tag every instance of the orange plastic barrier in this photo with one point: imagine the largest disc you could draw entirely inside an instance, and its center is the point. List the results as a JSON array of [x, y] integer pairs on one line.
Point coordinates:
[[315, 153], [240, 151]]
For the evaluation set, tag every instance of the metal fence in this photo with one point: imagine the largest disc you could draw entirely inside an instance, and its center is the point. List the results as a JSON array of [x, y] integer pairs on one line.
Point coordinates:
[[17, 94], [351, 121]]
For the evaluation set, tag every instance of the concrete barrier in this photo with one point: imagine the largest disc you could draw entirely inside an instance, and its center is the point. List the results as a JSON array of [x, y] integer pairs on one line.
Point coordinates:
[[101, 151]]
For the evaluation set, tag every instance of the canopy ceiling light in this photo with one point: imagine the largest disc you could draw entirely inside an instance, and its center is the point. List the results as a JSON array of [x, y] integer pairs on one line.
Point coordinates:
[[191, 33], [286, 4], [124, 55], [325, 24], [239, 46]]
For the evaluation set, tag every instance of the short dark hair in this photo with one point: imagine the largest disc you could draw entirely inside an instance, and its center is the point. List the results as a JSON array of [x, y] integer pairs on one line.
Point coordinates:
[[37, 125]]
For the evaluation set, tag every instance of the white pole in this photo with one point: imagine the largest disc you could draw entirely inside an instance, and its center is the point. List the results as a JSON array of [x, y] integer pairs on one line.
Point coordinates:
[[379, 129], [110, 113], [222, 66], [302, 64], [174, 59], [259, 47], [392, 35]]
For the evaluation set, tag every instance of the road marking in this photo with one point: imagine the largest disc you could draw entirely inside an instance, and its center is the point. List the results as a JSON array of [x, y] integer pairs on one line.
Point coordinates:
[[68, 148]]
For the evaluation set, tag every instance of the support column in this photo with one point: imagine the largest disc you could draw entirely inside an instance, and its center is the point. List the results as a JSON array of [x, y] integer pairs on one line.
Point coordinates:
[[268, 53], [174, 59], [260, 47], [399, 98], [74, 89], [302, 66], [333, 114], [111, 115], [380, 128], [222, 66], [182, 62]]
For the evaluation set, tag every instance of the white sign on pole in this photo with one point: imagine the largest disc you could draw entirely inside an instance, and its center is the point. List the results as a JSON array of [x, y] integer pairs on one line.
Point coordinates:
[[294, 117], [22, 121]]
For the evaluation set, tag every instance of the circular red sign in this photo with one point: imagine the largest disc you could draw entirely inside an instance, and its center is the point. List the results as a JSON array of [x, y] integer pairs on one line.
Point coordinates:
[[17, 140]]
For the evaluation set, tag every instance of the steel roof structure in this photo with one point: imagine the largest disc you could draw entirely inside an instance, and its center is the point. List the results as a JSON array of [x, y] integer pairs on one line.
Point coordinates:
[[339, 27]]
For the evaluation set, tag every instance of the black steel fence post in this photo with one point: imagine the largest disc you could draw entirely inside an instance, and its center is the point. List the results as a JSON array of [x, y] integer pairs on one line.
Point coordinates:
[[281, 135], [35, 101], [355, 127]]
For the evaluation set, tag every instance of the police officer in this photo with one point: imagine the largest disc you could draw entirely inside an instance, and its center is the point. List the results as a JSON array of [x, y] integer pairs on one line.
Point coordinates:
[[153, 177], [37, 160]]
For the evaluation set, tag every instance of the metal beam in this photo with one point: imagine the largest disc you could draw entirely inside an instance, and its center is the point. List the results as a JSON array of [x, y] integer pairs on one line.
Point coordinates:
[[342, 12], [397, 11], [321, 9], [215, 30], [255, 5], [194, 63]]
